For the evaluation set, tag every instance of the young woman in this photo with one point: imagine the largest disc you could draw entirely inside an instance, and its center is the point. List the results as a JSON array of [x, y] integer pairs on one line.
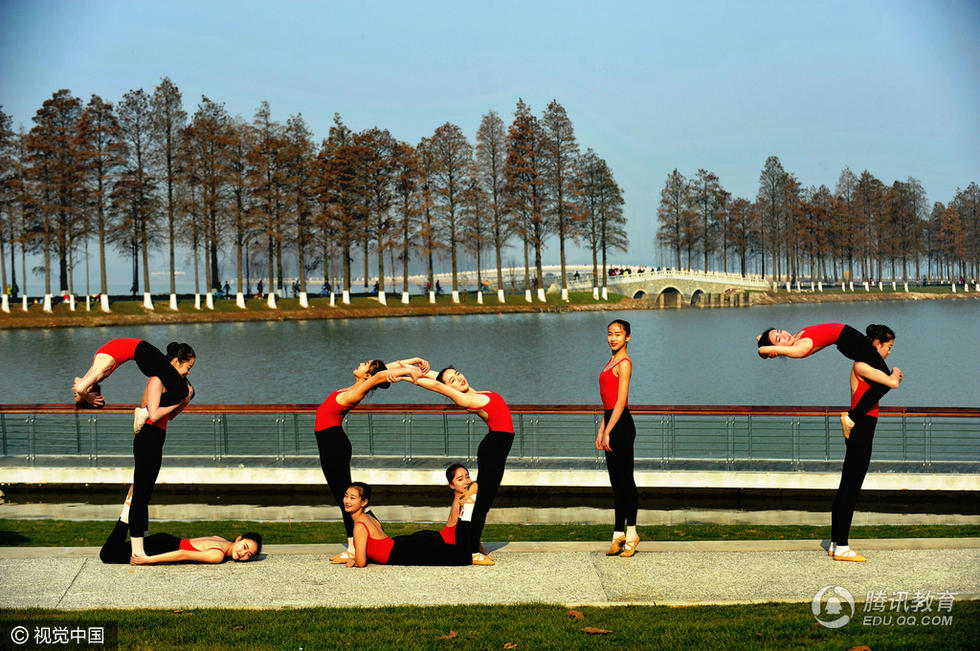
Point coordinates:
[[333, 443], [458, 478], [371, 543], [852, 345], [148, 443], [148, 358], [616, 436], [858, 455], [491, 455], [165, 548]]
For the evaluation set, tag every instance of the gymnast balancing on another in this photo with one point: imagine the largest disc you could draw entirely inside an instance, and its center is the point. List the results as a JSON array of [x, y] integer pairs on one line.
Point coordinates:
[[333, 443], [851, 344], [148, 358]]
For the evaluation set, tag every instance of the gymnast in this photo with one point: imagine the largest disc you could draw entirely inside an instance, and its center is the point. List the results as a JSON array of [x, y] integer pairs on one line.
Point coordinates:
[[331, 440], [165, 548], [371, 543], [458, 478], [149, 360], [851, 344]]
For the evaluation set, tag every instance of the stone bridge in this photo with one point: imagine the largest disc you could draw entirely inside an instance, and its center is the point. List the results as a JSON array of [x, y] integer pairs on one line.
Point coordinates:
[[678, 288]]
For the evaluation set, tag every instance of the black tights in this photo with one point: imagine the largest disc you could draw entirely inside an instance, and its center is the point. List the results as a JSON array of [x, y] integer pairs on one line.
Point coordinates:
[[335, 455], [855, 346], [428, 547], [153, 363], [491, 457], [117, 550], [148, 455], [856, 462], [619, 463]]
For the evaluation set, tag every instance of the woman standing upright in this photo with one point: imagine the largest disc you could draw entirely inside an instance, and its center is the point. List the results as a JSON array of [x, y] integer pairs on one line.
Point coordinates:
[[616, 436]]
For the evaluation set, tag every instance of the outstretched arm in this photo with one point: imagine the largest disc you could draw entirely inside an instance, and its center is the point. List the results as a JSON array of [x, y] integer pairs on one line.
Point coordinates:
[[799, 349], [411, 361], [464, 400], [353, 396], [194, 556]]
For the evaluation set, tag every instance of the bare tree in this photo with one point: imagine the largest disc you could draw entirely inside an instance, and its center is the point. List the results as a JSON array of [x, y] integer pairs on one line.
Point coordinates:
[[674, 213], [452, 155], [167, 122], [491, 158], [603, 202], [559, 160]]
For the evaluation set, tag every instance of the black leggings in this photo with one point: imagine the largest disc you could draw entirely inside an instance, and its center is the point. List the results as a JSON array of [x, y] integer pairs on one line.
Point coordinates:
[[855, 346], [153, 363], [852, 473], [117, 549], [428, 547], [491, 457], [619, 463], [148, 455], [335, 454]]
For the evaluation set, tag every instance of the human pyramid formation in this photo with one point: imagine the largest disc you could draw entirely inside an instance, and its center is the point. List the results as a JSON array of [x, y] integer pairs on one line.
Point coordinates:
[[168, 392]]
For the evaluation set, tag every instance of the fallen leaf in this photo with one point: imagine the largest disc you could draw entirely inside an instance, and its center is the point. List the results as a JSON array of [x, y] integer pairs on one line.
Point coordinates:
[[596, 631], [576, 614], [452, 634], [863, 647], [238, 628], [510, 645]]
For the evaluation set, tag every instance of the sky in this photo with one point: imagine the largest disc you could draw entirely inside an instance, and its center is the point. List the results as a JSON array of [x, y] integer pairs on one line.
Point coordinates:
[[889, 87]]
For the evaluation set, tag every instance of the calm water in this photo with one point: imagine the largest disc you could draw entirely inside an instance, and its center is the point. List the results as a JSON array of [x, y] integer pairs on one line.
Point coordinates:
[[680, 356]]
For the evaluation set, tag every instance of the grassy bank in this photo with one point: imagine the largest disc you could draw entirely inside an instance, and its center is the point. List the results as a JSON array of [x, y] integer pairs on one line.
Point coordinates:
[[527, 626], [92, 533]]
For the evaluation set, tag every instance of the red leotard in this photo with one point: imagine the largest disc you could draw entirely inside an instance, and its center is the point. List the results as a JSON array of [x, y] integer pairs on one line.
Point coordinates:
[[448, 534], [609, 386], [120, 350], [863, 386], [186, 545], [823, 335], [331, 413], [498, 414], [378, 550]]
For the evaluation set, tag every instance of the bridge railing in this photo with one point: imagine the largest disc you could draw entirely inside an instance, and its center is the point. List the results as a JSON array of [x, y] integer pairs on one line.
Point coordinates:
[[927, 439]]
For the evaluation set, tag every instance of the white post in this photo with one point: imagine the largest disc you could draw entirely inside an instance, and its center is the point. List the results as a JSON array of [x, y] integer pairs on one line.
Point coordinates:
[[851, 285], [345, 297], [595, 293], [893, 285], [147, 301], [976, 287], [271, 302], [527, 296], [173, 302], [333, 300], [880, 288], [240, 300], [811, 285], [906, 287], [71, 302], [88, 303], [405, 299], [432, 296], [6, 304], [197, 301], [787, 285], [500, 294], [541, 295], [209, 300], [24, 301], [564, 294], [479, 297], [867, 287], [953, 285], [820, 286], [605, 294], [47, 302], [797, 284], [455, 296], [104, 302], [304, 301]]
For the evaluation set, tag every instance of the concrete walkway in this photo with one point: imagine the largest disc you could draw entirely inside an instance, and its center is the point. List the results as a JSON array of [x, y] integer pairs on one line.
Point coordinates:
[[574, 574]]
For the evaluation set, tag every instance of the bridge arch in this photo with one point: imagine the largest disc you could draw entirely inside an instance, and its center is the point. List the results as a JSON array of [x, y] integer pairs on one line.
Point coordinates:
[[670, 297], [698, 298], [639, 294]]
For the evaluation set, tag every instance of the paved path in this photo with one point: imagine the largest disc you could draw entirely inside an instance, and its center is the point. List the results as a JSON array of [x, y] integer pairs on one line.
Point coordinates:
[[574, 574]]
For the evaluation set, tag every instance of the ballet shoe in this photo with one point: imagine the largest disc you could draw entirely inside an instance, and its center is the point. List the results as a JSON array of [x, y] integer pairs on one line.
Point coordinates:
[[849, 555], [469, 495], [843, 425], [140, 416], [629, 547], [616, 547], [342, 557], [482, 559], [832, 550]]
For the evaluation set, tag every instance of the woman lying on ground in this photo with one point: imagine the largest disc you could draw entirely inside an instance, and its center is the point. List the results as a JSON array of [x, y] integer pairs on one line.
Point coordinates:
[[459, 481]]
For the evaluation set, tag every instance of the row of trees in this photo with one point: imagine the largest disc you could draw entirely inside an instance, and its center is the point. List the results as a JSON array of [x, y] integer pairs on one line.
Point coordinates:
[[861, 227], [142, 176]]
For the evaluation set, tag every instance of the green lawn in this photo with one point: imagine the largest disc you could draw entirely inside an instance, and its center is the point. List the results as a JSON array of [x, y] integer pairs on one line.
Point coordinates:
[[529, 626]]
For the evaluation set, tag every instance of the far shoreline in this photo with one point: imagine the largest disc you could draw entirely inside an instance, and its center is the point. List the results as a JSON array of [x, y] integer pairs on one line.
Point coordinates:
[[369, 308]]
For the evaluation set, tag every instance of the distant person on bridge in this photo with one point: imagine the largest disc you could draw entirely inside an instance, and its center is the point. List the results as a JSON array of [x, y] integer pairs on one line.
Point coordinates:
[[858, 455], [331, 440], [491, 455], [149, 359], [616, 436], [851, 344]]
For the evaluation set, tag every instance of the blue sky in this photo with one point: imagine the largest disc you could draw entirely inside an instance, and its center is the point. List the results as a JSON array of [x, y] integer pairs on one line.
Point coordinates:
[[891, 87]]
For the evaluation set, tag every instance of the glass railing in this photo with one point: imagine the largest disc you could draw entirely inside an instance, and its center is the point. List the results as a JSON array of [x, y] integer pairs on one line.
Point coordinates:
[[679, 437]]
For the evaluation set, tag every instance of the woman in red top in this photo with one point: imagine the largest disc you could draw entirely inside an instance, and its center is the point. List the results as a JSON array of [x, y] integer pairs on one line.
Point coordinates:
[[491, 455], [616, 436], [371, 543], [331, 440], [858, 455], [147, 357], [458, 478], [851, 344]]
